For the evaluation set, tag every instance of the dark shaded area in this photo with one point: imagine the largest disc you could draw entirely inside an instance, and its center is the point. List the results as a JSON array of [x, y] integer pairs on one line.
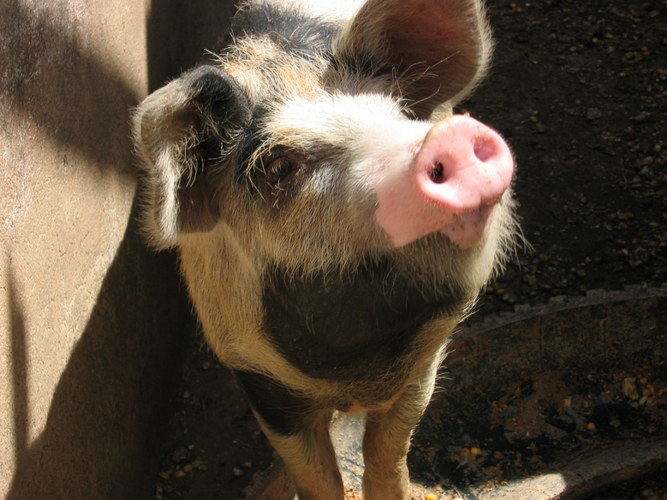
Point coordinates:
[[550, 391], [578, 89], [283, 412], [647, 486], [213, 444], [19, 370], [179, 33]]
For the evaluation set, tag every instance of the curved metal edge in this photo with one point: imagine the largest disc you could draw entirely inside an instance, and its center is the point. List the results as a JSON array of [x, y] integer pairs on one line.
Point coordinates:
[[558, 304], [584, 477]]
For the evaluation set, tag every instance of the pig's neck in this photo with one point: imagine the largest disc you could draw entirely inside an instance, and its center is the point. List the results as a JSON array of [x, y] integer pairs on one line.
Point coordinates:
[[345, 327]]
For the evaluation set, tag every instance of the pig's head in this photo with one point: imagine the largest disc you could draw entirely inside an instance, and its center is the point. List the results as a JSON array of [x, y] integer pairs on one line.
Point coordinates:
[[338, 151]]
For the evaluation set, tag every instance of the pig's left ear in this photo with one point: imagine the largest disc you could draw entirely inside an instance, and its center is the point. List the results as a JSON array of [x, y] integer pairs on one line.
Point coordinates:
[[182, 133], [437, 50]]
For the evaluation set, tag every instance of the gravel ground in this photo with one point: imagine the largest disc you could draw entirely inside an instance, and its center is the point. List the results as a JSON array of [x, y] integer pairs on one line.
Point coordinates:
[[578, 90]]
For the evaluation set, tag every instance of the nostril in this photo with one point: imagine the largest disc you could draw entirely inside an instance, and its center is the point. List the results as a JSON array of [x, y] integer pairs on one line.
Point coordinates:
[[438, 173], [484, 148]]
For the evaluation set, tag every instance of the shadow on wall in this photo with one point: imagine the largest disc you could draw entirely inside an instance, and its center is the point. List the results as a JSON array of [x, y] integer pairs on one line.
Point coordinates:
[[52, 82], [97, 441], [90, 447], [19, 371]]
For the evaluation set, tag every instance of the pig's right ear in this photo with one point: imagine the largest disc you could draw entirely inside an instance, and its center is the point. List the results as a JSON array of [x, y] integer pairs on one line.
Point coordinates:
[[180, 132], [436, 51]]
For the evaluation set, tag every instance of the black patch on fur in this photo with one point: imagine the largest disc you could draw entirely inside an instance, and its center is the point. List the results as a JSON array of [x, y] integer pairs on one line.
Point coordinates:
[[216, 111], [353, 328], [292, 31], [281, 410], [218, 99], [221, 109], [252, 140]]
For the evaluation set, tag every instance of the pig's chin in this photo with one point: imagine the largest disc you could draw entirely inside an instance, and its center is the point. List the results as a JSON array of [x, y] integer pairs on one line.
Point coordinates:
[[468, 229]]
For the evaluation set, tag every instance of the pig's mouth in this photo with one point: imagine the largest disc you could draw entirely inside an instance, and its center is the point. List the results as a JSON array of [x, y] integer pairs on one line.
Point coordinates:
[[468, 228]]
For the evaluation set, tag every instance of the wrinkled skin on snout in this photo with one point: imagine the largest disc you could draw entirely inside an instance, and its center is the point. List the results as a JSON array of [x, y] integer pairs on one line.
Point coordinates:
[[335, 220]]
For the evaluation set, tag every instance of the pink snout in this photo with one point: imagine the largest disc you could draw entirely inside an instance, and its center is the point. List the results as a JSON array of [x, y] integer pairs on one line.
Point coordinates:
[[459, 172]]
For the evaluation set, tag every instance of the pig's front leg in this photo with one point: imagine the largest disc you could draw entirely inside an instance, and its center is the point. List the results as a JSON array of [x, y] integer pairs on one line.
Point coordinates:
[[299, 432], [387, 440], [310, 459]]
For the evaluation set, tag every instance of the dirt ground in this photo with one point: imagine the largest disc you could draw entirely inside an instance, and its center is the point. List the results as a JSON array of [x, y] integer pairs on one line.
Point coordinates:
[[578, 90]]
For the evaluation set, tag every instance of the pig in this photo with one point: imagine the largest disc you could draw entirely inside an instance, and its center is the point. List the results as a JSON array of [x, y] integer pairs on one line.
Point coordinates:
[[335, 219]]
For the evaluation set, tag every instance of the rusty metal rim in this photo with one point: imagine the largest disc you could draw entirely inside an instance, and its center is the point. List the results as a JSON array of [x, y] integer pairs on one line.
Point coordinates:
[[584, 477], [560, 303]]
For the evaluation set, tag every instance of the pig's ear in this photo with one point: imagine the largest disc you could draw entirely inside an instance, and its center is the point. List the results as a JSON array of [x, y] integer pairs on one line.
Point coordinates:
[[437, 50], [181, 131]]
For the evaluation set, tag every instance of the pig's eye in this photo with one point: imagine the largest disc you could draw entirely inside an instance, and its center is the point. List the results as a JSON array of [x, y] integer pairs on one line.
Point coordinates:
[[278, 170]]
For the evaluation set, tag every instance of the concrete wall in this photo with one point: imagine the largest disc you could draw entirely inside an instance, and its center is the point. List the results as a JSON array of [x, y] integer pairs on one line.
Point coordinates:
[[90, 320]]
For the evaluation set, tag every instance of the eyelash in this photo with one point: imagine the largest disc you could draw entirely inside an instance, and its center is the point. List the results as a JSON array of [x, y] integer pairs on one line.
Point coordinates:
[[277, 170]]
